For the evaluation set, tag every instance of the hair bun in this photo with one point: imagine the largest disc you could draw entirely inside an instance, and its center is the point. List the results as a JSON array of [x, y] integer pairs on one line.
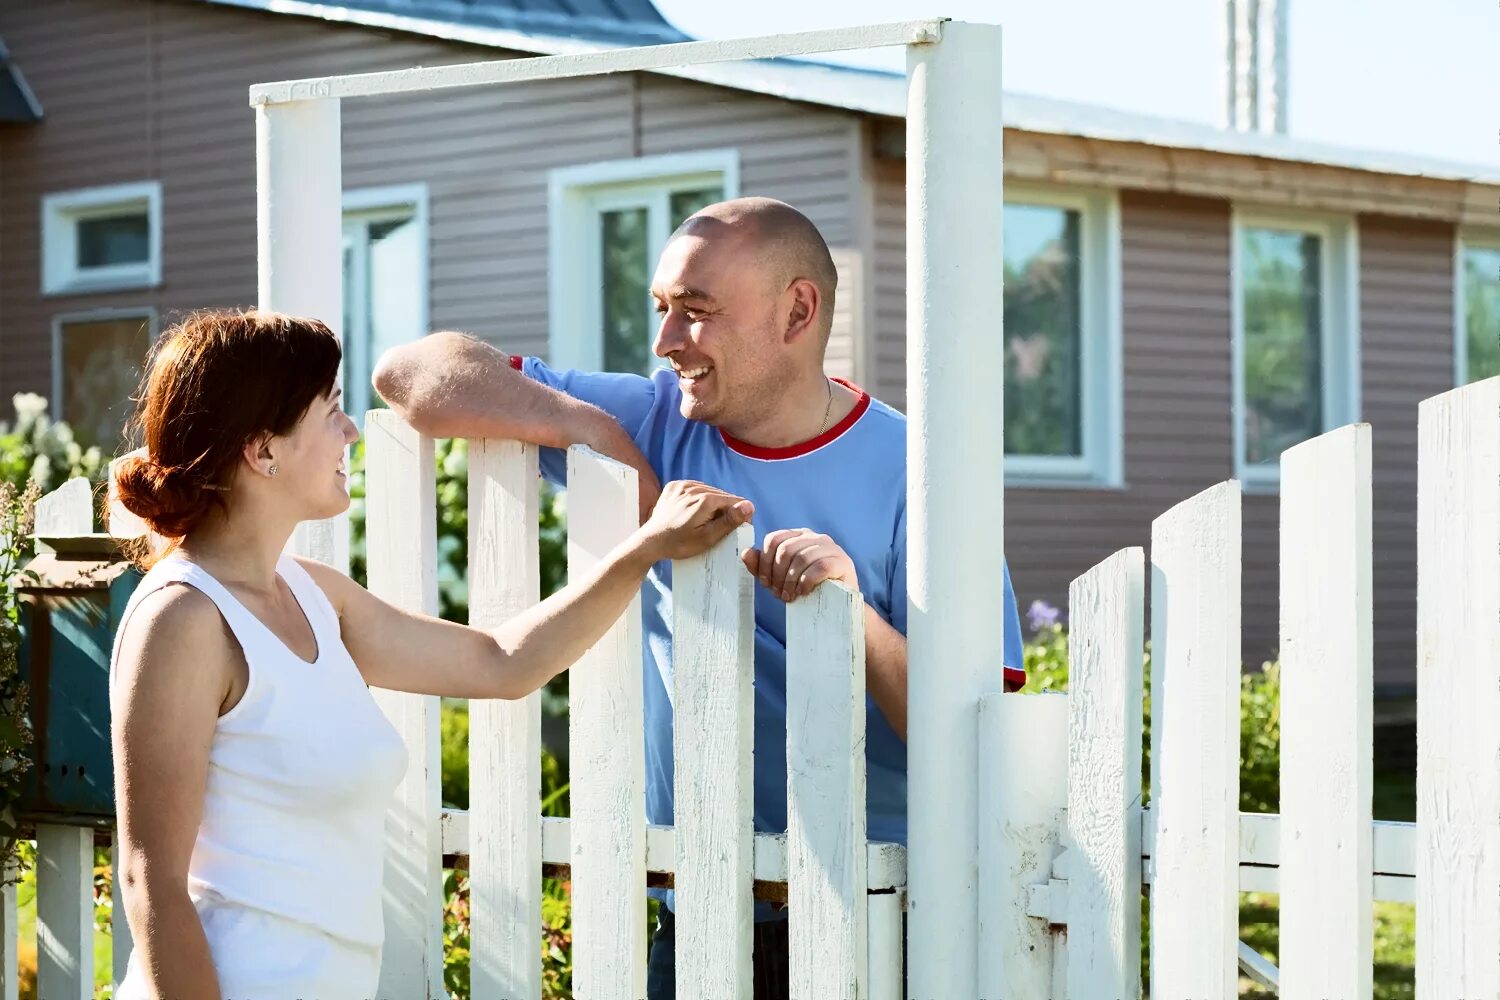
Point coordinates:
[[167, 498]]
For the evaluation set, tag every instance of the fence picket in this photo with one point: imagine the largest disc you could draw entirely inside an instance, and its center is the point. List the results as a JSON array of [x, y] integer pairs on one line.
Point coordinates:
[[64, 912], [1327, 692], [1458, 693], [1105, 645], [607, 752], [401, 520], [505, 777], [1195, 725], [713, 642], [827, 898], [10, 931]]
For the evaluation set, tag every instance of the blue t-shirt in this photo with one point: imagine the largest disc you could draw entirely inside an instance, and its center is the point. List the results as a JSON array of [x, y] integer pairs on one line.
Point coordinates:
[[850, 484]]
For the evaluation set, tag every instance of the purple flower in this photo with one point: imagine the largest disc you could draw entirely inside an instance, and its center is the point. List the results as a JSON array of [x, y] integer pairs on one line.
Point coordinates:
[[1042, 615]]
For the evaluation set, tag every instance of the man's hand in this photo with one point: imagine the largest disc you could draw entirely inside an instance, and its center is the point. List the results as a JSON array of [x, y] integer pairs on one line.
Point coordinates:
[[605, 435], [791, 562]]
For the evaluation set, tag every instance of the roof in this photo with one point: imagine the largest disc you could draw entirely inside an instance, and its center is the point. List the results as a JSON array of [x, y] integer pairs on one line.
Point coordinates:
[[17, 103], [538, 27]]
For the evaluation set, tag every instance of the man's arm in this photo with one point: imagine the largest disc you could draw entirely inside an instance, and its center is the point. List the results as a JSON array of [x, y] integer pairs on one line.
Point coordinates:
[[452, 385]]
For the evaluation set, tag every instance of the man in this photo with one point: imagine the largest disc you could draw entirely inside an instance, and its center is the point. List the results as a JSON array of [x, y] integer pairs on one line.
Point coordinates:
[[745, 290]]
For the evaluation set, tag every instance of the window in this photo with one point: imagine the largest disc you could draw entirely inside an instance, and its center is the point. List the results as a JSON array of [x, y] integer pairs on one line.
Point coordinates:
[[1062, 340], [385, 282], [608, 224], [1477, 308], [1295, 338], [101, 239], [97, 359]]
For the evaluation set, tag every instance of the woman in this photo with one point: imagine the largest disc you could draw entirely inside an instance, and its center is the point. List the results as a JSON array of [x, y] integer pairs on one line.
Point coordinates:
[[252, 767]]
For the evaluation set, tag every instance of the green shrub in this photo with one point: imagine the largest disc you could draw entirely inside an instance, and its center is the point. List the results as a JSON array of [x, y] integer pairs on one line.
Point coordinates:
[[34, 448]]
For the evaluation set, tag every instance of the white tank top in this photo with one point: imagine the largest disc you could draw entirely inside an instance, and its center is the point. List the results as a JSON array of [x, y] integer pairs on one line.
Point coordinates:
[[300, 775]]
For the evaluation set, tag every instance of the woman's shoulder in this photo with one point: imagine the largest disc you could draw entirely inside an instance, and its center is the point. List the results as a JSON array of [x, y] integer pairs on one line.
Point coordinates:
[[175, 624]]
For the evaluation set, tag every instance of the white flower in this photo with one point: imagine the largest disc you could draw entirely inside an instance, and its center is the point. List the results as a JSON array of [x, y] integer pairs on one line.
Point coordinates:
[[41, 469], [29, 406]]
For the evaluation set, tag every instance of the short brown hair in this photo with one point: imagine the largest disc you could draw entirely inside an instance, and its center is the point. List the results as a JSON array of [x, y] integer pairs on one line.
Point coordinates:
[[213, 383]]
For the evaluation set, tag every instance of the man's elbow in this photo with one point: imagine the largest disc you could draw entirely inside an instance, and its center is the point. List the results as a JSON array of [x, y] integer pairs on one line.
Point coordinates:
[[393, 373]]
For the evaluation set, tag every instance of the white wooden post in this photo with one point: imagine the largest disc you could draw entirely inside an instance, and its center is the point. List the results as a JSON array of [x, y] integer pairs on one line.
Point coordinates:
[[1195, 744], [64, 912], [825, 762], [299, 248], [1023, 789], [121, 942], [887, 944], [606, 732], [1327, 704], [505, 737], [1458, 693], [1106, 639], [713, 657], [401, 526], [955, 305], [10, 930], [67, 510]]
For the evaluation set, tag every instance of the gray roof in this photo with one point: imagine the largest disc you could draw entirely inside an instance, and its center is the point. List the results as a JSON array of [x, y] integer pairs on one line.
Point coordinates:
[[17, 102], [632, 22]]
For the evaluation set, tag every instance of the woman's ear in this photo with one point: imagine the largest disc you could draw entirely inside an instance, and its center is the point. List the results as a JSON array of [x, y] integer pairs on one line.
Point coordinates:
[[259, 453]]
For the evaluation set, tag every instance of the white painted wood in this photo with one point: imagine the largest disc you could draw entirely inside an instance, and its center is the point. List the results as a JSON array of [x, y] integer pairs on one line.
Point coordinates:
[[825, 762], [1023, 790], [64, 912], [67, 510], [606, 731], [1327, 710], [1458, 693], [505, 775], [121, 942], [1195, 725], [954, 214], [401, 530], [10, 929], [622, 60], [299, 249], [1106, 639], [887, 944], [713, 644]]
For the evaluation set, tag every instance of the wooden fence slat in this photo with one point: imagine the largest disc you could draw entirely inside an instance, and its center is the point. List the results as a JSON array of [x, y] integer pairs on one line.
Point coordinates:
[[713, 643], [401, 531], [1106, 640], [10, 930], [825, 760], [505, 776], [1327, 709], [1195, 759], [1023, 790], [1458, 693], [607, 751], [887, 944], [64, 912], [67, 510]]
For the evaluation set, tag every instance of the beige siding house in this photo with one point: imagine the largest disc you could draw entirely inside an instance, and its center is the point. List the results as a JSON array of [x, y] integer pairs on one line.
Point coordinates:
[[1182, 302]]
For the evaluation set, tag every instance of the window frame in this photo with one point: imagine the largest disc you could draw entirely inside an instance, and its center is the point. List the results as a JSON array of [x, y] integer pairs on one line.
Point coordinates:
[[575, 196], [1101, 358], [383, 204], [1338, 316], [62, 211], [1463, 239], [105, 315]]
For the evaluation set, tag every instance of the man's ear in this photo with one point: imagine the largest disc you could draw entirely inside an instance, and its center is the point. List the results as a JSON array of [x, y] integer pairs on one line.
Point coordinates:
[[802, 315]]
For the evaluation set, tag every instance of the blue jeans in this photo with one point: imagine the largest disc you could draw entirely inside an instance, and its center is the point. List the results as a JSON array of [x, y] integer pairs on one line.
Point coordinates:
[[772, 951]]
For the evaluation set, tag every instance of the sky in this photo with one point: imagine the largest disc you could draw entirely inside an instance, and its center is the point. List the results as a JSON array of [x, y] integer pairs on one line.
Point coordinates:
[[1414, 76]]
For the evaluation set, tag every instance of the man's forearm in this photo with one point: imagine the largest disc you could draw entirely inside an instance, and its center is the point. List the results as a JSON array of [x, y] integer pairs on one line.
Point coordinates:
[[885, 669]]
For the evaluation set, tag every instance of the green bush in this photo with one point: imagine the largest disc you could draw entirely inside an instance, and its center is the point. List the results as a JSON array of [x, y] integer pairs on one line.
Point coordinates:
[[34, 448]]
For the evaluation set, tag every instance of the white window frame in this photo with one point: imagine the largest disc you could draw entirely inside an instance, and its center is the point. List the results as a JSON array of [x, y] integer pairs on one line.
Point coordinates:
[[1339, 302], [1488, 239], [575, 196], [146, 313], [1101, 364], [381, 204], [62, 212]]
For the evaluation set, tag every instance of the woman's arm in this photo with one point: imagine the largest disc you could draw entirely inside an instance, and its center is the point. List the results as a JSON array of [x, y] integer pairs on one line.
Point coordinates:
[[175, 669], [411, 652]]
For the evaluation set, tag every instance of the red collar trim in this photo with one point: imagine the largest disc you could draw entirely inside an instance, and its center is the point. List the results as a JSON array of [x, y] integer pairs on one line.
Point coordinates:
[[806, 447]]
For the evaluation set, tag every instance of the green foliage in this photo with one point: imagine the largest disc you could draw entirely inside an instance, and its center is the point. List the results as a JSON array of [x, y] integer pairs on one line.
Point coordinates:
[[36, 449], [16, 508]]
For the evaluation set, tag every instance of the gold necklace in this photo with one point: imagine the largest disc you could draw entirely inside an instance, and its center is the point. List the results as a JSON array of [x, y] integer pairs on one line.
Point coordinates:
[[827, 409]]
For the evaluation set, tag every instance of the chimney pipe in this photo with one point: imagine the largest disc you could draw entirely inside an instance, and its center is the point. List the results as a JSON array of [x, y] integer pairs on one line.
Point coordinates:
[[1227, 88], [1247, 65], [1276, 100]]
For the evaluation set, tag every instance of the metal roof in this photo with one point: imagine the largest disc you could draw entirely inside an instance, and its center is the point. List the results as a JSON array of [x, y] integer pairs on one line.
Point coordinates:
[[861, 90], [17, 102]]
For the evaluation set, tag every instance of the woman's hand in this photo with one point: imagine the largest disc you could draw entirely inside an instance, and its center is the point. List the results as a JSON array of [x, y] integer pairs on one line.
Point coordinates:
[[689, 519]]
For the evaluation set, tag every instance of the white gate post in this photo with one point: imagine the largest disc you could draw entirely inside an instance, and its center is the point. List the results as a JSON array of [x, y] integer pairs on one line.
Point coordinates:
[[10, 983], [64, 912], [299, 248], [955, 303]]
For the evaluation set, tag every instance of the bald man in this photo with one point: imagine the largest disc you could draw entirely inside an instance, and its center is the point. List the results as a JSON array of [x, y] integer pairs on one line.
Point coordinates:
[[745, 291]]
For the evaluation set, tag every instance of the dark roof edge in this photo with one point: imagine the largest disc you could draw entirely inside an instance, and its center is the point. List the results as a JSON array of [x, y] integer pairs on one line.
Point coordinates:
[[14, 90]]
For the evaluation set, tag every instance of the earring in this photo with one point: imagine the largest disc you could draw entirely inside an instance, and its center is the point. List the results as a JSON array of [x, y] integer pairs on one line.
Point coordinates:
[[274, 470]]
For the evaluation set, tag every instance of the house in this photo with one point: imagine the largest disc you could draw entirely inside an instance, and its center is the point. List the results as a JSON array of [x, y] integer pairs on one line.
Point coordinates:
[[1182, 302]]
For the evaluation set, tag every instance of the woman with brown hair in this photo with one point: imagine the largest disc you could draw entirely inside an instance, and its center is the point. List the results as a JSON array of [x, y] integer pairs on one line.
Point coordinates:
[[252, 767]]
